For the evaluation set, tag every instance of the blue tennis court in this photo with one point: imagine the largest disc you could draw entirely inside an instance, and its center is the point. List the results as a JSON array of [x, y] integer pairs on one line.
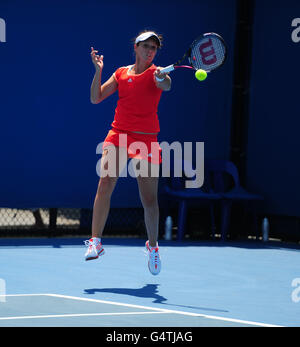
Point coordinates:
[[227, 144], [46, 282]]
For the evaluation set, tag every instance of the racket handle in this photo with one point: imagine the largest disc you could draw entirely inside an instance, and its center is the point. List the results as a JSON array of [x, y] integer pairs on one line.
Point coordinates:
[[167, 69]]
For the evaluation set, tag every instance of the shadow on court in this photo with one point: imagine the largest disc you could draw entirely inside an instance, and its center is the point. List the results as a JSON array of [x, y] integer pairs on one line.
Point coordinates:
[[148, 291]]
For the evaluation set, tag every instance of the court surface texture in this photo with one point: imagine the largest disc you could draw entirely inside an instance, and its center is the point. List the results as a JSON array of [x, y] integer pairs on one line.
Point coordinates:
[[47, 282]]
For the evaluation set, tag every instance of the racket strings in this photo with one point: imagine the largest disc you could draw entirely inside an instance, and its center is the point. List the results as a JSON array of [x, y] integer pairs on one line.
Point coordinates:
[[207, 54]]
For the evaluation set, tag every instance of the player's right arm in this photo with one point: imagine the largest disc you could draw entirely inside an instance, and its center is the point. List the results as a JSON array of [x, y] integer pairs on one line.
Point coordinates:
[[100, 92]]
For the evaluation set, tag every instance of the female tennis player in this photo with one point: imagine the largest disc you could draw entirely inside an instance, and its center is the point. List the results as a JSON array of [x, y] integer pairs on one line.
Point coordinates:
[[139, 87]]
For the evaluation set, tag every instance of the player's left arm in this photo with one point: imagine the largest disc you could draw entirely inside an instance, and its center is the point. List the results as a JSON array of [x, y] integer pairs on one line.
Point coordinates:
[[162, 80]]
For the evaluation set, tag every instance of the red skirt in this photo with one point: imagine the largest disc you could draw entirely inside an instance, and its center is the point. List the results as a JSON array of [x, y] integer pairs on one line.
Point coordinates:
[[139, 146]]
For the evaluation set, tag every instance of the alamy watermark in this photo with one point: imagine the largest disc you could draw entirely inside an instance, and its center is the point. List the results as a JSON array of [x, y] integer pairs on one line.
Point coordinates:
[[2, 290], [114, 165], [2, 30], [296, 292], [296, 32]]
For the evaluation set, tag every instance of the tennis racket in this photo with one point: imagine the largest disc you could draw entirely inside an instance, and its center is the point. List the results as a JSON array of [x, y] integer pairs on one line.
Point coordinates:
[[207, 52]]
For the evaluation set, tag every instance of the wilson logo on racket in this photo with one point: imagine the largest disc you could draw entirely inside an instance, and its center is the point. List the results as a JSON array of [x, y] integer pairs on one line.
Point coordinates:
[[207, 52]]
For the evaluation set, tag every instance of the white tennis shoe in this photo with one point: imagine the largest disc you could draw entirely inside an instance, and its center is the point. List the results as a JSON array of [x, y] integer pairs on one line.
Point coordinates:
[[95, 249], [154, 262]]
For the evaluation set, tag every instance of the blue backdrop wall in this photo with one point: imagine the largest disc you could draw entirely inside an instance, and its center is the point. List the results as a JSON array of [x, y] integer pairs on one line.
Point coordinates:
[[49, 128], [273, 137]]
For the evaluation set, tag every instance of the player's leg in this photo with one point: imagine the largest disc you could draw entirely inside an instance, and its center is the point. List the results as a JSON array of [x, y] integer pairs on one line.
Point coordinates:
[[112, 163], [148, 188]]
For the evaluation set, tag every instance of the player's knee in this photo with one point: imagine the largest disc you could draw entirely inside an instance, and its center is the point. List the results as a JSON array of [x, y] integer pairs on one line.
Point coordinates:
[[106, 186], [149, 201]]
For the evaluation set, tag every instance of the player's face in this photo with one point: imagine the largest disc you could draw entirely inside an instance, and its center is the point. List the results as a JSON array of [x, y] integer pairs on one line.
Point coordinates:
[[146, 50]]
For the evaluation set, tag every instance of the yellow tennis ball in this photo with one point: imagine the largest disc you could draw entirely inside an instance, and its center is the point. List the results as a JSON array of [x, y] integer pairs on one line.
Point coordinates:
[[200, 75]]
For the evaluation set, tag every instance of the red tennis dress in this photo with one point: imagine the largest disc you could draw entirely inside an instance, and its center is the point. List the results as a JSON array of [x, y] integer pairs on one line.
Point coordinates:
[[136, 111]]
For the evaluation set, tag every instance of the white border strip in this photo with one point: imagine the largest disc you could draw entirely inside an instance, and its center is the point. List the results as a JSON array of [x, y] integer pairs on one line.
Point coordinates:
[[156, 310]]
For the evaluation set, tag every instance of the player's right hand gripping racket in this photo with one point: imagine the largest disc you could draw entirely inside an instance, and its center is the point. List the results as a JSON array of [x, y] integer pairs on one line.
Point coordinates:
[[207, 52]]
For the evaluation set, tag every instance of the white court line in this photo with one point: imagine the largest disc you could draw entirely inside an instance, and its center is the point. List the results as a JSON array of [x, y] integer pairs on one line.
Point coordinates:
[[78, 315], [157, 310]]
